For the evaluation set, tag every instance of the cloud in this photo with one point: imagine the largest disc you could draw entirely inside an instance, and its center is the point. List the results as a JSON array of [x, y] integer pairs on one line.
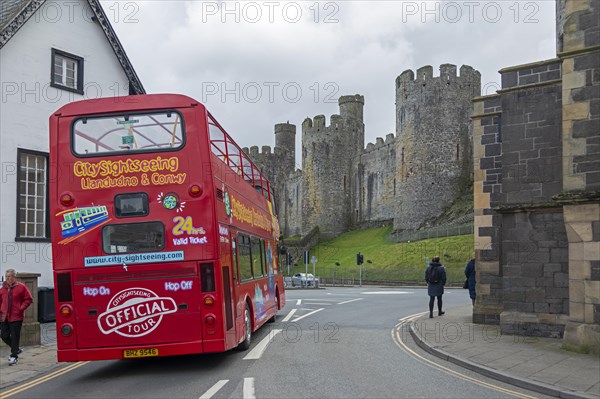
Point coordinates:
[[255, 64]]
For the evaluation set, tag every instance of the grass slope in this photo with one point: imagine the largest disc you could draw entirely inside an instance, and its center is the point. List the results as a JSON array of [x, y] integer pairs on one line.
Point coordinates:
[[390, 261]]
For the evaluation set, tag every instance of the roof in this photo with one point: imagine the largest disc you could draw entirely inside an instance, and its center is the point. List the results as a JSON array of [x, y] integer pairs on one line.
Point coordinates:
[[15, 13]]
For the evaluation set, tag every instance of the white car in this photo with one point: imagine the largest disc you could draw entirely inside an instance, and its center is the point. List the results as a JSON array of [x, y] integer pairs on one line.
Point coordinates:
[[304, 279]]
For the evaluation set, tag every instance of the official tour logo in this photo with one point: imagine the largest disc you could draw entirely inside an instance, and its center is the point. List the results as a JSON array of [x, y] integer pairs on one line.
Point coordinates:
[[135, 312]]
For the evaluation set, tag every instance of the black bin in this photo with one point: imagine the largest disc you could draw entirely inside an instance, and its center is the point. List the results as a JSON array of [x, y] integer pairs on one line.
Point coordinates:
[[46, 311]]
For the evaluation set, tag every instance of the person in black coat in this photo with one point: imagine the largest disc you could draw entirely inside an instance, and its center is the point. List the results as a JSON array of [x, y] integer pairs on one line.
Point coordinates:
[[435, 275], [470, 274]]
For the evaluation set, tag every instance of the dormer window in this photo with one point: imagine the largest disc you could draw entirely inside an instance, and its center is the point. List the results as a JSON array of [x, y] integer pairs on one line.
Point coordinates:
[[67, 71]]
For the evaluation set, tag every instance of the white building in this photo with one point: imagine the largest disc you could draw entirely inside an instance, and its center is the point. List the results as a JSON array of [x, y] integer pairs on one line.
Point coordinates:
[[51, 53]]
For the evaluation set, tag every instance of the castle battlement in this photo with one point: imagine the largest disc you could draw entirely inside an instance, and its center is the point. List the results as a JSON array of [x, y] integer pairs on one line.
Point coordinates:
[[356, 98], [447, 73], [254, 152], [285, 128], [319, 123], [351, 111], [379, 143]]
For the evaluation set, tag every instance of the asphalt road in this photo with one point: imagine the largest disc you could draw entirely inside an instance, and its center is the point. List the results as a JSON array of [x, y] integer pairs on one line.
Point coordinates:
[[327, 343]]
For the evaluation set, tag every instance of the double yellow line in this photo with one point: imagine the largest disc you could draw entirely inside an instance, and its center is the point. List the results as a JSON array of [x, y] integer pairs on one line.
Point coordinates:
[[397, 337], [40, 380]]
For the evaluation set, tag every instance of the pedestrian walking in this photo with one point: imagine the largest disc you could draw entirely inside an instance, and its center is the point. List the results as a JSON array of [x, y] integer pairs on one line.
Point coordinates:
[[15, 298], [435, 275], [470, 274]]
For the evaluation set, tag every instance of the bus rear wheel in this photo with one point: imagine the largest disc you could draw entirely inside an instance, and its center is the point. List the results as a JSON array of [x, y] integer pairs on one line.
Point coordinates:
[[245, 344]]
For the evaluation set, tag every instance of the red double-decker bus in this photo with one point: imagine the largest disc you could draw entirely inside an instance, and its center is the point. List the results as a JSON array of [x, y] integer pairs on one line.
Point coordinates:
[[164, 233]]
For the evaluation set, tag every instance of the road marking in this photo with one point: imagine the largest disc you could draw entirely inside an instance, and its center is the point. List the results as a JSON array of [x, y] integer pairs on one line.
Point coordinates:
[[298, 302], [289, 316], [351, 300], [258, 350], [397, 338], [386, 292], [321, 299], [40, 380], [214, 389], [306, 315], [319, 303], [249, 388]]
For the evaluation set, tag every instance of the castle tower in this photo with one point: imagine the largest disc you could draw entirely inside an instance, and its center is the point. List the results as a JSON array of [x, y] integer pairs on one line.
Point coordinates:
[[278, 165], [433, 140], [351, 114], [285, 146], [328, 153]]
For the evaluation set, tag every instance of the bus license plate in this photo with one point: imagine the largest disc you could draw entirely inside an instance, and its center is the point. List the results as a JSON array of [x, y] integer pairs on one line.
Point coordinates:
[[132, 353]]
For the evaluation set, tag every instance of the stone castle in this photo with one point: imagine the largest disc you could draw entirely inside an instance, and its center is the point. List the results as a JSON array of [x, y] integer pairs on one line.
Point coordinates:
[[406, 180]]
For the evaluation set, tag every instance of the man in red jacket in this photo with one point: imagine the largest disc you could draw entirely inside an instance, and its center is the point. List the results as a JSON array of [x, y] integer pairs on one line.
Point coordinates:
[[14, 299]]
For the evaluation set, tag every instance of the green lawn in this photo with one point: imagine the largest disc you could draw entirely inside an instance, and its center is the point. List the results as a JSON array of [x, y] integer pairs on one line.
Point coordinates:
[[390, 261]]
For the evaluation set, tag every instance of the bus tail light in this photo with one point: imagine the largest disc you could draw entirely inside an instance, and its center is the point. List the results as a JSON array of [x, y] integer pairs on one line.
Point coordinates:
[[66, 310], [195, 190], [207, 277], [210, 320], [209, 300], [63, 287], [66, 329], [67, 199]]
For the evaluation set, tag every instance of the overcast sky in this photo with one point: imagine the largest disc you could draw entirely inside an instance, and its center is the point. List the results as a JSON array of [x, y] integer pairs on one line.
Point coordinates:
[[255, 64]]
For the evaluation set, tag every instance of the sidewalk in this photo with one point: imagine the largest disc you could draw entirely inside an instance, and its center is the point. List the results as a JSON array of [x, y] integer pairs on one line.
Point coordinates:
[[34, 361], [534, 363]]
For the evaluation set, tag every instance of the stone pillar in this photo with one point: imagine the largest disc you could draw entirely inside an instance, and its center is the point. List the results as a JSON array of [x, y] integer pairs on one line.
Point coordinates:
[[583, 230], [579, 50], [487, 179], [30, 333]]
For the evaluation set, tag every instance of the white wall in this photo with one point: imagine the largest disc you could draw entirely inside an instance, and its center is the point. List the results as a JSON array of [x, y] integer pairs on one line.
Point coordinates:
[[28, 101]]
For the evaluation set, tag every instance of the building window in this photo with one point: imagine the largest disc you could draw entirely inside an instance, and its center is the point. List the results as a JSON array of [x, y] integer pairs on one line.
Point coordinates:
[[66, 71], [32, 196]]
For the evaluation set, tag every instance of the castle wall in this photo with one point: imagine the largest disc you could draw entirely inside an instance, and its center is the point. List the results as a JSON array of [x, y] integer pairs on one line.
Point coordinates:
[[537, 190], [521, 241], [433, 141], [374, 198], [290, 211]]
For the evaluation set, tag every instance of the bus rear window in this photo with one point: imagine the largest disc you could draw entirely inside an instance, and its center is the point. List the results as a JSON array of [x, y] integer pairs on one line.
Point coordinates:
[[133, 237], [128, 133]]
